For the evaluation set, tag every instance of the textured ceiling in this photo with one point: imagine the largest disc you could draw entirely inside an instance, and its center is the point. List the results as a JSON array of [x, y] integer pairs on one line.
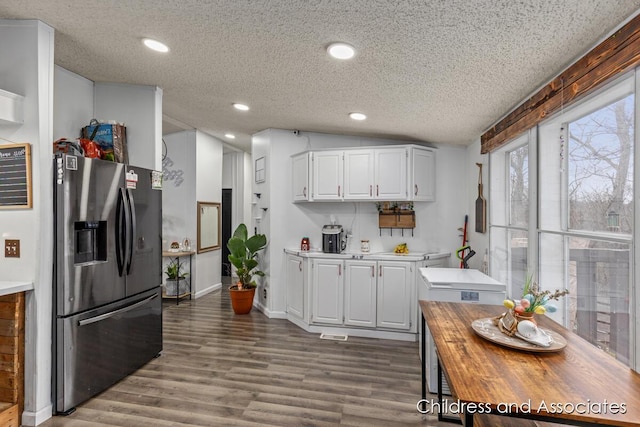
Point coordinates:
[[436, 71]]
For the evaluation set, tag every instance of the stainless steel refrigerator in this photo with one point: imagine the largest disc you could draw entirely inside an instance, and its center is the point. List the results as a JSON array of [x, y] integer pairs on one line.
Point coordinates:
[[107, 275]]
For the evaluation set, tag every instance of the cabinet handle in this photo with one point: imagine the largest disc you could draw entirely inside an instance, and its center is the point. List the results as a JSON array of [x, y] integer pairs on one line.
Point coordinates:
[[373, 271], [304, 191], [338, 191], [339, 269], [416, 191], [377, 190], [371, 190], [300, 265], [380, 271]]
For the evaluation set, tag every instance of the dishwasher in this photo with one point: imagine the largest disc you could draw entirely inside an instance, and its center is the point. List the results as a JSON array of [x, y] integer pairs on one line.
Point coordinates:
[[454, 285]]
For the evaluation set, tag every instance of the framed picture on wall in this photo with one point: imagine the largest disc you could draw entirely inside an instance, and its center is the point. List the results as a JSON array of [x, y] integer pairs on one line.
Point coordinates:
[[260, 170]]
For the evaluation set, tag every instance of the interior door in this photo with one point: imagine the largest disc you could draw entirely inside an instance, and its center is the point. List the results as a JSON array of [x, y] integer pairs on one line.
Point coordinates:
[[227, 201]]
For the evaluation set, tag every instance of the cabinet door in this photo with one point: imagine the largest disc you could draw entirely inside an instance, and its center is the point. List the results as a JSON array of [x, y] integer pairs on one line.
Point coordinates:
[[300, 177], [423, 175], [327, 175], [295, 286], [360, 293], [391, 174], [395, 295], [358, 175], [328, 292]]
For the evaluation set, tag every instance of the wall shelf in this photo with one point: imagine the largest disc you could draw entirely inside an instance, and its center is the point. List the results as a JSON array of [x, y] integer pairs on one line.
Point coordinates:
[[399, 219], [11, 108]]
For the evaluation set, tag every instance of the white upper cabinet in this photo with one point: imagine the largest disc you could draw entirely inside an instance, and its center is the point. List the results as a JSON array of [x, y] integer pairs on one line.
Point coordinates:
[[328, 170], [358, 174], [301, 190], [391, 174], [423, 177]]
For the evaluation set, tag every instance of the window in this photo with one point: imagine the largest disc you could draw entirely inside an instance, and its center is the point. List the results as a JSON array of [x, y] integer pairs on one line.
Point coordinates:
[[510, 213], [585, 226]]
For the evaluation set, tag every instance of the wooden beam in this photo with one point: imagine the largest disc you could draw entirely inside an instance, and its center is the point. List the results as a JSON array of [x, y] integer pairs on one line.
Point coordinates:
[[614, 56]]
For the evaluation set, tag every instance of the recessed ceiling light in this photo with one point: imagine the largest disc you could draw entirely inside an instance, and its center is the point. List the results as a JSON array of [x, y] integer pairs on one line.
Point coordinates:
[[357, 116], [230, 135], [241, 107], [341, 51], [155, 45]]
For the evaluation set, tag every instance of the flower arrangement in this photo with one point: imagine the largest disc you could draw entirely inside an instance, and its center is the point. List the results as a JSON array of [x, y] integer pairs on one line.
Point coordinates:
[[534, 300]]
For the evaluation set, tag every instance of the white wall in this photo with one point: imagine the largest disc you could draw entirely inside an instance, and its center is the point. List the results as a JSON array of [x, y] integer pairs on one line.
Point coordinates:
[[73, 104], [26, 68], [208, 189], [179, 188], [192, 173], [479, 242], [139, 108], [285, 223]]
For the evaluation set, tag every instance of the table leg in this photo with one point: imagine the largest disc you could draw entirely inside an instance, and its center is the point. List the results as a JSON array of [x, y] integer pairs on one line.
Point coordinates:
[[423, 362], [440, 399], [468, 419], [441, 403]]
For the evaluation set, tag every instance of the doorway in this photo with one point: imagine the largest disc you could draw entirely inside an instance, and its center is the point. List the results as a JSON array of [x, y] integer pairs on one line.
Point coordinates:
[[226, 230]]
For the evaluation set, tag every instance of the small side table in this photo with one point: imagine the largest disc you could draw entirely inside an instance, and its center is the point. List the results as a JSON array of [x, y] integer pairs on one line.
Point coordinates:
[[176, 256]]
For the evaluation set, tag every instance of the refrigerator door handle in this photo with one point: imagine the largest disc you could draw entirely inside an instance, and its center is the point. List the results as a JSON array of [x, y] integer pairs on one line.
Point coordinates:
[[120, 249], [116, 312], [131, 229]]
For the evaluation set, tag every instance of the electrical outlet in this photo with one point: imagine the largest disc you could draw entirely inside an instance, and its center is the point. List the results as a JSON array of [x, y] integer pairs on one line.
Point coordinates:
[[12, 248], [264, 293]]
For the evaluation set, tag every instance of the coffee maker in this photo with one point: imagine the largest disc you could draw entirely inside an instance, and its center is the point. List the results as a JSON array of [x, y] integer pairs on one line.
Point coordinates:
[[333, 239]]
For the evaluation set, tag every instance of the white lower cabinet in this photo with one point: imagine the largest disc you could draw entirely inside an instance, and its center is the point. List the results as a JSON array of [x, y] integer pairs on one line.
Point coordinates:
[[360, 293], [328, 292], [296, 286], [364, 293], [396, 290]]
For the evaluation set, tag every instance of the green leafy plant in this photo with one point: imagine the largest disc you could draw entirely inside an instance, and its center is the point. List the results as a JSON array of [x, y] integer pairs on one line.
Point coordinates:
[[173, 268], [243, 252]]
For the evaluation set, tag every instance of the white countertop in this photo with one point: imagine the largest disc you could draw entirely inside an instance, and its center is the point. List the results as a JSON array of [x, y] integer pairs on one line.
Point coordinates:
[[411, 256], [458, 278], [8, 287]]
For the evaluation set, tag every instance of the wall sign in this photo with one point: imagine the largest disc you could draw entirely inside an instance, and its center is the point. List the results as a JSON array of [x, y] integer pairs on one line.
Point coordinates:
[[15, 176]]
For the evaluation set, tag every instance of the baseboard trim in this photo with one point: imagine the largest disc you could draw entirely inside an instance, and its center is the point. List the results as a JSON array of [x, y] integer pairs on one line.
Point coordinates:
[[208, 290], [30, 418]]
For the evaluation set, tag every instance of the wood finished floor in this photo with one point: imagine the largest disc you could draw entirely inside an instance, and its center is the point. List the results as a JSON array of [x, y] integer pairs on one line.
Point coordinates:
[[221, 369]]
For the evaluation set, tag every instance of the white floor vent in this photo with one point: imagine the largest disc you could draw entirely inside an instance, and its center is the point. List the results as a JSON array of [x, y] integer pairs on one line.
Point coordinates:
[[333, 337]]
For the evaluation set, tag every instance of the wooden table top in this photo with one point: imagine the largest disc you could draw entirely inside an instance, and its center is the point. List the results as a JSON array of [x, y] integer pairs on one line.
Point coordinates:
[[579, 383]]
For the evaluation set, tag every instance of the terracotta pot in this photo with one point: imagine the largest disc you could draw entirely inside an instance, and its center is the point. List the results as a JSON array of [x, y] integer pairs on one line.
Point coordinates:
[[241, 300], [527, 315]]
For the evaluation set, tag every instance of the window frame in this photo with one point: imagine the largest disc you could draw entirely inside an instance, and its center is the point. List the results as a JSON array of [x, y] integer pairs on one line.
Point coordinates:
[[535, 230]]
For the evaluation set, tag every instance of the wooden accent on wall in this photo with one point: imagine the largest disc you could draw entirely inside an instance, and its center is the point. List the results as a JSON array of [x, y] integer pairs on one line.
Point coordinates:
[[612, 57], [11, 358]]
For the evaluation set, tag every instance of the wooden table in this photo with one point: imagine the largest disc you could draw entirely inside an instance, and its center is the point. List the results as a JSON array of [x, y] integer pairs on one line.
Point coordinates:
[[602, 390]]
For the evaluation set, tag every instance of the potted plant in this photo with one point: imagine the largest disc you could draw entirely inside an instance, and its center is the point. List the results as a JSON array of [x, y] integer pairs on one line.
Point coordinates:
[[176, 285], [243, 251]]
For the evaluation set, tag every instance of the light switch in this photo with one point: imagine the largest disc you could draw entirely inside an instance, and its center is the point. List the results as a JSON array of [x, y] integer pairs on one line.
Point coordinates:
[[12, 248]]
